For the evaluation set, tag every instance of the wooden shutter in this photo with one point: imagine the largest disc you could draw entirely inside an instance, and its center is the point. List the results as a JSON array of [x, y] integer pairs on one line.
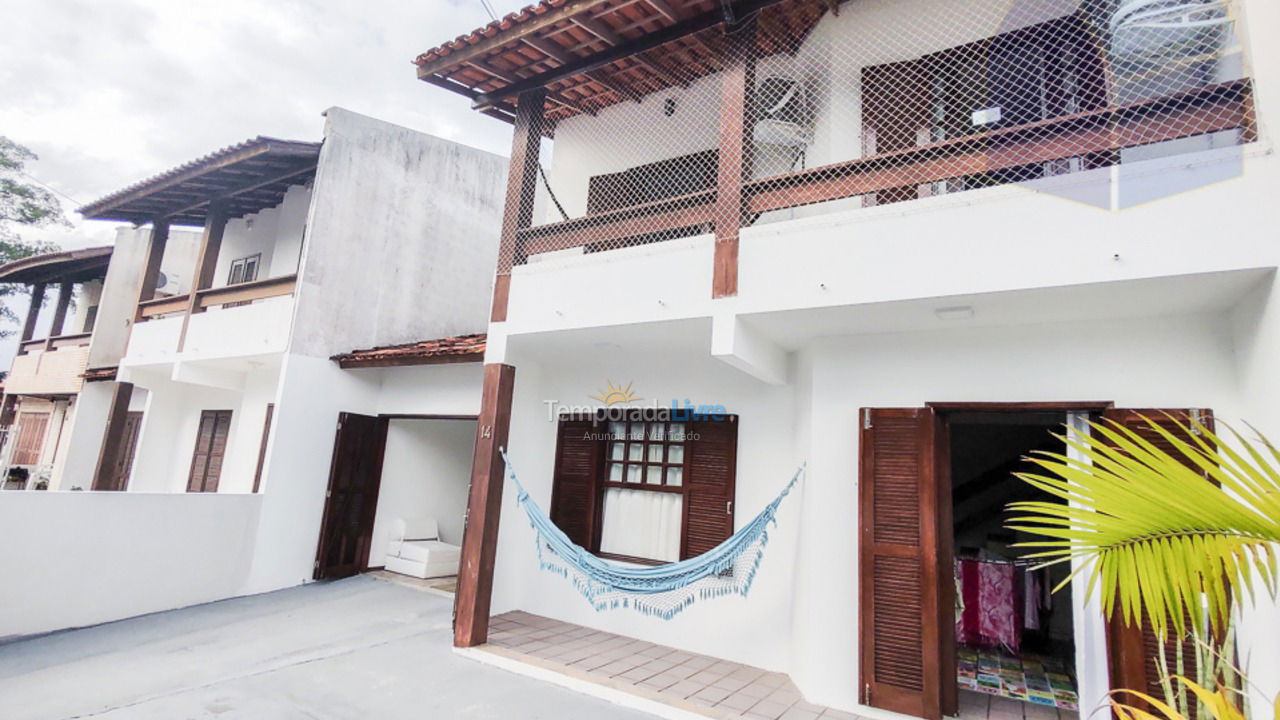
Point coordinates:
[[1133, 651], [210, 449], [711, 465], [900, 589], [576, 479], [31, 431]]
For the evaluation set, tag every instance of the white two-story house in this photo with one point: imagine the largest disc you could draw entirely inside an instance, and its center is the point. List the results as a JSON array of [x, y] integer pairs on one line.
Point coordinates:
[[323, 296], [903, 243]]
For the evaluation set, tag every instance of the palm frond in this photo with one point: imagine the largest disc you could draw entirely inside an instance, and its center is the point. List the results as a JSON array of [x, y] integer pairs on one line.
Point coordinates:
[[1161, 535]]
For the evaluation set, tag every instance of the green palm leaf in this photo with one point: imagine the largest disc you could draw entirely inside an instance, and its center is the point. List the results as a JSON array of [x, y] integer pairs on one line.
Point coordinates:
[[1168, 531]]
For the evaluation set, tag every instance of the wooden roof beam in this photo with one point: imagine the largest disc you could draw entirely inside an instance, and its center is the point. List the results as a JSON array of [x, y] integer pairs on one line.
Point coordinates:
[[531, 27], [597, 27], [508, 76], [628, 48]]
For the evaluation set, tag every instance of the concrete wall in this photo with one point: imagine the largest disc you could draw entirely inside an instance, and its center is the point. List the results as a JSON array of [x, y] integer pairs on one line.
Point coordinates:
[[426, 472], [89, 557], [401, 239]]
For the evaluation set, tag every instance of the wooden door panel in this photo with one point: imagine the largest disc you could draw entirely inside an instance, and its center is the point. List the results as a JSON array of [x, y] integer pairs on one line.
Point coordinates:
[[711, 466], [1133, 650], [355, 475], [574, 498], [900, 612]]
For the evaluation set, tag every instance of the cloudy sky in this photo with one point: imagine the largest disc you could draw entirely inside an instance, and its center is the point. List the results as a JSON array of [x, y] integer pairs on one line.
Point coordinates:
[[108, 92]]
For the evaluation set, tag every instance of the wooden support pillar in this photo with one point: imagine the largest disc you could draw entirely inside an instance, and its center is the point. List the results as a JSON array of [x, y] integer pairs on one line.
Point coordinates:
[[215, 224], [522, 185], [106, 476], [65, 290], [738, 86], [484, 506], [8, 409], [33, 312], [151, 270]]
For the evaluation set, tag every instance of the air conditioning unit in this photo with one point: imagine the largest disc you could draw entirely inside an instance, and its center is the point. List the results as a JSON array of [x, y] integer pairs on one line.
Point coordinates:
[[784, 107], [170, 283], [1168, 28]]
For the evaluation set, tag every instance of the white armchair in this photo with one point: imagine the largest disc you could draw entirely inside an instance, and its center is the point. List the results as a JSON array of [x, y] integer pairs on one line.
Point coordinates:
[[415, 548]]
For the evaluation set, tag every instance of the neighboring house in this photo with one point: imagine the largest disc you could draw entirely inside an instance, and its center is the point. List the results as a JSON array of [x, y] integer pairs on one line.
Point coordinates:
[[81, 329], [225, 422], [901, 242]]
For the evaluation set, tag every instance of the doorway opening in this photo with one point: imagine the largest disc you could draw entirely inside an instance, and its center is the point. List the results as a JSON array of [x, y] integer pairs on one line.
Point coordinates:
[[397, 499], [1014, 638]]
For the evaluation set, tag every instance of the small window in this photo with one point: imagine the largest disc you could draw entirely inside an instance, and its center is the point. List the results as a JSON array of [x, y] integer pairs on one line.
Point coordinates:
[[649, 490]]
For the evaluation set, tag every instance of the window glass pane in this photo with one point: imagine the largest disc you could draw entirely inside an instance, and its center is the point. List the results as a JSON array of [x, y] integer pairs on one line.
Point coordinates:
[[655, 453], [636, 452], [675, 476], [617, 429], [675, 454], [616, 451], [633, 473], [615, 472], [677, 432], [637, 431], [642, 524], [653, 475], [657, 431]]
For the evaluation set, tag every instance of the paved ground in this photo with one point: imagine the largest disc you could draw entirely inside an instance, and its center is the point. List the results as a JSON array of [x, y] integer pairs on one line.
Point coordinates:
[[358, 648]]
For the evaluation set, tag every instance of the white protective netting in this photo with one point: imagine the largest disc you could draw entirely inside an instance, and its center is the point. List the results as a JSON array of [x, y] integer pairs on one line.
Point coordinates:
[[873, 102]]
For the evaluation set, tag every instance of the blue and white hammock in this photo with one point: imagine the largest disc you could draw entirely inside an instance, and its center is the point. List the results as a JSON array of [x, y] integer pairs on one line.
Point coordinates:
[[661, 591]]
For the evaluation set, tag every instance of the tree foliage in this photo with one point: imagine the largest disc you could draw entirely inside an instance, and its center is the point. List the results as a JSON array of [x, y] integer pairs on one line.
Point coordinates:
[[1161, 536], [22, 204]]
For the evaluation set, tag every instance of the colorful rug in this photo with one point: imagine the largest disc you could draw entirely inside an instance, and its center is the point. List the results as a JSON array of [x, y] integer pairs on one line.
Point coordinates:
[[1030, 678]]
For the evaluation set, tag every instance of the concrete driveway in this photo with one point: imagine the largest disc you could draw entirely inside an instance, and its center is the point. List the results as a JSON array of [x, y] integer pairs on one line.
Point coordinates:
[[358, 648]]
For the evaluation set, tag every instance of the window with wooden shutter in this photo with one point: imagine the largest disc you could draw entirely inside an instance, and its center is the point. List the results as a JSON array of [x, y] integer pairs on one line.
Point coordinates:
[[1133, 651], [210, 450], [899, 548], [645, 490], [32, 427]]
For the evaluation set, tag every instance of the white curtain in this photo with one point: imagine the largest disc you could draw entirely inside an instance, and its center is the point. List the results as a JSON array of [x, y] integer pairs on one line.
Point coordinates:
[[642, 523]]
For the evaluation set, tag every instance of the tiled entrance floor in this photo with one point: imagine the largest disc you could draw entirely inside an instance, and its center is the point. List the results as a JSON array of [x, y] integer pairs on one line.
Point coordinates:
[[695, 683]]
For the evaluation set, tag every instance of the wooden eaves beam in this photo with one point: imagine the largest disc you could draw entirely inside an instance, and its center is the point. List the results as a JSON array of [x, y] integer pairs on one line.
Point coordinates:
[[238, 190], [97, 208], [597, 27], [551, 49], [686, 27], [526, 29]]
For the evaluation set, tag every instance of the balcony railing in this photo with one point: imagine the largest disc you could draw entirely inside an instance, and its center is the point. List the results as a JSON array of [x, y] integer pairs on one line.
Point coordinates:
[[885, 105]]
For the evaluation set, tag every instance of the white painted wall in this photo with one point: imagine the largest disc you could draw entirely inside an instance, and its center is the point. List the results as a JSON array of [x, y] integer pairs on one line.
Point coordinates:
[[401, 238], [301, 447], [91, 557], [802, 614], [275, 232], [426, 471], [88, 425], [171, 418]]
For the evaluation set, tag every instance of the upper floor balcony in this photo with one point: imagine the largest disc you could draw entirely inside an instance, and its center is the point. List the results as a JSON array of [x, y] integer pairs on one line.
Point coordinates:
[[672, 119], [53, 349], [226, 291]]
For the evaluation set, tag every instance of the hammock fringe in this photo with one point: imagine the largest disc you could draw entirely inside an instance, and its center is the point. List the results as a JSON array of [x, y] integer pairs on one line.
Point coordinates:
[[663, 591]]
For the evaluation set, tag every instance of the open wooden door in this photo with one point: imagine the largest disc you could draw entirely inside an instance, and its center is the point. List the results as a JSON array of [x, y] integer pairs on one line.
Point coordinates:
[[355, 475], [122, 467], [1133, 651], [902, 598]]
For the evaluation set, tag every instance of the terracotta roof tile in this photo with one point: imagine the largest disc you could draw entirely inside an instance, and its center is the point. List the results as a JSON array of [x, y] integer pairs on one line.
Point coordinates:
[[461, 348]]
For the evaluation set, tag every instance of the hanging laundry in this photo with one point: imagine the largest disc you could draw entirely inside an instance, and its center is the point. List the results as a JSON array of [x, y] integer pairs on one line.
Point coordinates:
[[993, 597]]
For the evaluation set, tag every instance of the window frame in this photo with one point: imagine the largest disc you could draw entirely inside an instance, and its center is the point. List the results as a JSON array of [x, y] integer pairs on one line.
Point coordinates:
[[602, 483]]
